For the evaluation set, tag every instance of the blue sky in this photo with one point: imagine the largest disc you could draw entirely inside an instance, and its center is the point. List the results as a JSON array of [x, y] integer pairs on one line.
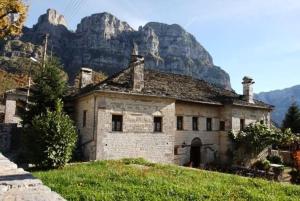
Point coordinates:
[[254, 37]]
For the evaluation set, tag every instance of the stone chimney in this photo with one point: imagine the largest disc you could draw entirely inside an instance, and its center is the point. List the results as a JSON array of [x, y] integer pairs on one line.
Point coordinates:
[[85, 77], [248, 89], [137, 65]]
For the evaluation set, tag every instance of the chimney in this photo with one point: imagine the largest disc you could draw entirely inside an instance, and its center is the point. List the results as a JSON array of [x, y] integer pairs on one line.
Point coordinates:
[[248, 89], [137, 65], [85, 77]]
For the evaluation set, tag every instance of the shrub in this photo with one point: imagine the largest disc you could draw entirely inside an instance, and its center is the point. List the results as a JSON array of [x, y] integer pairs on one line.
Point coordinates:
[[295, 176], [255, 138], [275, 159], [262, 165], [51, 138], [278, 171]]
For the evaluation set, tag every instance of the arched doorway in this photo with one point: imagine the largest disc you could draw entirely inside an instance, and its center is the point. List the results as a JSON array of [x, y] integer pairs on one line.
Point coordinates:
[[195, 153]]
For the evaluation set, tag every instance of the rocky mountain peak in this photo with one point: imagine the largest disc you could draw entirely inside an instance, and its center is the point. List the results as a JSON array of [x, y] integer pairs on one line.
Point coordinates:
[[104, 24], [104, 43], [52, 17]]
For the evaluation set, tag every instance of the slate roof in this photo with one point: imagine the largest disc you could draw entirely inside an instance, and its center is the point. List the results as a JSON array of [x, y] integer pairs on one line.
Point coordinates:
[[179, 87]]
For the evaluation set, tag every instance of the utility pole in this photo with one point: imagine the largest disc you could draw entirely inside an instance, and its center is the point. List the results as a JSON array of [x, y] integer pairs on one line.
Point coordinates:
[[45, 50], [29, 85], [51, 52]]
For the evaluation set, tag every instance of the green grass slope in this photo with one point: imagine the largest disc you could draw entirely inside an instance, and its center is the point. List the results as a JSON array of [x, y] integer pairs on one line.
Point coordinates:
[[138, 180]]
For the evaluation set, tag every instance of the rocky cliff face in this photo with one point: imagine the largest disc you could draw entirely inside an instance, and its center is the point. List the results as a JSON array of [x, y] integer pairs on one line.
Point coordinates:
[[282, 100], [104, 43]]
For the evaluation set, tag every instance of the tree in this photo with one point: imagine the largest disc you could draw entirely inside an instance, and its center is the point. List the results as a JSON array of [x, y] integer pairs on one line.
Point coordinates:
[[255, 138], [49, 86], [292, 118], [12, 17], [51, 139]]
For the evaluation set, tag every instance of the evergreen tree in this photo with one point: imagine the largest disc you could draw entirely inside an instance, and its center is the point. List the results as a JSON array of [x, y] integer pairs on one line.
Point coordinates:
[[292, 118], [50, 84]]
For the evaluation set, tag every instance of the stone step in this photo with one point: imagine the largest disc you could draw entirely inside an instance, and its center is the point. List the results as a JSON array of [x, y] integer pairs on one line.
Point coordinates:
[[19, 185]]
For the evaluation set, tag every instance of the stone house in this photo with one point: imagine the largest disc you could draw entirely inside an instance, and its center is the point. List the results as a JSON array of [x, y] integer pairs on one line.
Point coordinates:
[[161, 117], [13, 104]]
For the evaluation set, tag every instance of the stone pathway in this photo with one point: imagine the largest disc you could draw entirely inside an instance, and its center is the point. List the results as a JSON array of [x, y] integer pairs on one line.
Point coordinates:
[[19, 185]]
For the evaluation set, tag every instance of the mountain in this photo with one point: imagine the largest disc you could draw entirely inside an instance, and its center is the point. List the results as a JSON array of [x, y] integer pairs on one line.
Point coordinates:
[[281, 99], [104, 43]]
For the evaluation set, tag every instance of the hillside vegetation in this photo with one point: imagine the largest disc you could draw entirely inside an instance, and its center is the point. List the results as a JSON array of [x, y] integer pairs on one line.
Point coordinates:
[[138, 180], [10, 81]]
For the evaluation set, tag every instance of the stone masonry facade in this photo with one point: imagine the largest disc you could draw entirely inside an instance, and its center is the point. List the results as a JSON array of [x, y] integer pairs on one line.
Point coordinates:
[[137, 139]]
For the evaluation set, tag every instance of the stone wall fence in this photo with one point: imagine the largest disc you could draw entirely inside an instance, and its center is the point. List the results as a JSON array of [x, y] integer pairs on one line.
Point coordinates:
[[6, 136]]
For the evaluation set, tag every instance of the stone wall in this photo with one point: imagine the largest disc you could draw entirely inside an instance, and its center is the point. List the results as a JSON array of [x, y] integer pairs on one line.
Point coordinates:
[[138, 138], [10, 112], [251, 115], [209, 139], [86, 133], [6, 136]]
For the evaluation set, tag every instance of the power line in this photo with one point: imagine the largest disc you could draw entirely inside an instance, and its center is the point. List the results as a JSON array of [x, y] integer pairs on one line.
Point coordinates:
[[69, 5], [70, 8], [76, 8]]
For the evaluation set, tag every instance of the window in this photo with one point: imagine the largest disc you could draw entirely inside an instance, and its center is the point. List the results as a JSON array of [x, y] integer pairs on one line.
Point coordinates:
[[157, 124], [209, 124], [195, 123], [242, 124], [117, 122], [222, 125], [179, 122], [84, 118]]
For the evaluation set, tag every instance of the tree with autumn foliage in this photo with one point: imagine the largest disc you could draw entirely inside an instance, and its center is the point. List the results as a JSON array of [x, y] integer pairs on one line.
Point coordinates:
[[12, 17]]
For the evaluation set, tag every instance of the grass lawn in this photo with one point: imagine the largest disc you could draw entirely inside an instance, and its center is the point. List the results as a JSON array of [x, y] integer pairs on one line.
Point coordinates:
[[138, 180]]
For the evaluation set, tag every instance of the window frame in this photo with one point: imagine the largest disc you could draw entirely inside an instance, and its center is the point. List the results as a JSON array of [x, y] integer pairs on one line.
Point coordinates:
[[208, 124], [114, 121], [195, 123], [179, 128], [155, 130]]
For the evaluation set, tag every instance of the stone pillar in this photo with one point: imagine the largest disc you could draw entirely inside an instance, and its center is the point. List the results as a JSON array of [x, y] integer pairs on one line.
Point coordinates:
[[248, 89]]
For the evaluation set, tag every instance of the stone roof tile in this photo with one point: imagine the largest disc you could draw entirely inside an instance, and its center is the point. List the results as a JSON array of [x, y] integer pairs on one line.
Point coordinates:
[[179, 87]]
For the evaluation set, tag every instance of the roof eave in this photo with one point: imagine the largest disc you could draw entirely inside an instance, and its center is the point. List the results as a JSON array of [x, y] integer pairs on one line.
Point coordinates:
[[255, 106]]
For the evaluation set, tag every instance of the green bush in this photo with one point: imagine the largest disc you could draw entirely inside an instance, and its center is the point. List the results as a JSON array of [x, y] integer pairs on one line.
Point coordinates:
[[275, 159], [262, 165], [295, 176], [51, 138]]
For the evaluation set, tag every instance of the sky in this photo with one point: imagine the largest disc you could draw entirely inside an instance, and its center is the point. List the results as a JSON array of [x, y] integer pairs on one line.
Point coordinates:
[[257, 38]]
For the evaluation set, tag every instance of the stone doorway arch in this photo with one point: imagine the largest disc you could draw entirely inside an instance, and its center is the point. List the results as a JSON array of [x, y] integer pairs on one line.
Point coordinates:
[[195, 152]]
